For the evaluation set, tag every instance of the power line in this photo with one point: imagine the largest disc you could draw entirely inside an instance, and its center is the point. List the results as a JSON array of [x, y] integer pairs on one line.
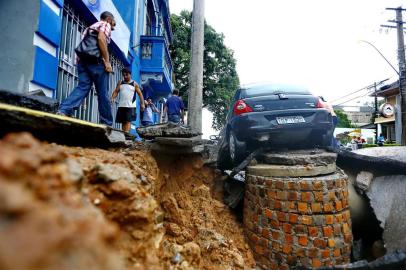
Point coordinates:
[[356, 91], [353, 99]]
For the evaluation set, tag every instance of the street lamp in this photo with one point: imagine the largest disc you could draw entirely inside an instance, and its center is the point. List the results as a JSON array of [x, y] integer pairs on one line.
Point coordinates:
[[387, 61], [375, 89]]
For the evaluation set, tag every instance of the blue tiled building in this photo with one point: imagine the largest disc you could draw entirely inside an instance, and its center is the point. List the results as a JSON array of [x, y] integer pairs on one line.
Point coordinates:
[[39, 40]]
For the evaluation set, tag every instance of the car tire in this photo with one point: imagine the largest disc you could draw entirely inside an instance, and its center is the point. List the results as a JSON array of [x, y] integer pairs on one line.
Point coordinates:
[[223, 159], [237, 149]]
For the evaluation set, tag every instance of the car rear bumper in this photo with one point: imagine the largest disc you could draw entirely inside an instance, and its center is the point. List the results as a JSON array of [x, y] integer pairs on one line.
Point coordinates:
[[257, 126]]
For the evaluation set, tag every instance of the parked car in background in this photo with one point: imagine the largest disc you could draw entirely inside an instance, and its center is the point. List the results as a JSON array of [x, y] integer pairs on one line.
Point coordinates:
[[275, 116]]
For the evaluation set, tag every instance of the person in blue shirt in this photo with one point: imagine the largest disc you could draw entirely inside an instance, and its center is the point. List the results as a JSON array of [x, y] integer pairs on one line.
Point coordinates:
[[174, 107], [381, 140]]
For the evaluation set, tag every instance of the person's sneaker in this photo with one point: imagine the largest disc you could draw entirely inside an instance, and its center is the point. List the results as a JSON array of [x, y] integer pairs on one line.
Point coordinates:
[[61, 113]]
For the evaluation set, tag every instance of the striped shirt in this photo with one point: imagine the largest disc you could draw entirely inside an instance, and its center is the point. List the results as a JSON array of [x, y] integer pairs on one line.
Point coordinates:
[[100, 26]]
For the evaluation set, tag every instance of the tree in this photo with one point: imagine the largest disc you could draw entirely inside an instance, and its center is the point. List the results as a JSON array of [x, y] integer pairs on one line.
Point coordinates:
[[343, 120], [220, 78]]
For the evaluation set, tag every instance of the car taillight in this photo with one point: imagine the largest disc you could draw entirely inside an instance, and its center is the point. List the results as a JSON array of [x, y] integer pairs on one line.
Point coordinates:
[[320, 104], [241, 107]]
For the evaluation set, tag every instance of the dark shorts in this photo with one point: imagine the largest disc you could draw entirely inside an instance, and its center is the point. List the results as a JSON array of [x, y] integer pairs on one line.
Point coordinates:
[[125, 114]]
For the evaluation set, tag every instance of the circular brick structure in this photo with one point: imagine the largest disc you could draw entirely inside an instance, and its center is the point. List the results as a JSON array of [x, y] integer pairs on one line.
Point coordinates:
[[298, 221]]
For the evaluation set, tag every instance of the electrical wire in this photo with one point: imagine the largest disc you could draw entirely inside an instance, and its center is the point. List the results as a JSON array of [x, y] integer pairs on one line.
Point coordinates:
[[359, 90], [368, 93]]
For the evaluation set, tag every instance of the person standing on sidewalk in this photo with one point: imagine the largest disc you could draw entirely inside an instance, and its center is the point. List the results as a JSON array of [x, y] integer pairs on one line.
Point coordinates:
[[94, 70], [127, 103], [147, 117], [174, 107]]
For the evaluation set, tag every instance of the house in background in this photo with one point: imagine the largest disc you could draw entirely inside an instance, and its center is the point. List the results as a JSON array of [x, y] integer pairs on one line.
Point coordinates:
[[389, 122], [39, 38], [358, 115]]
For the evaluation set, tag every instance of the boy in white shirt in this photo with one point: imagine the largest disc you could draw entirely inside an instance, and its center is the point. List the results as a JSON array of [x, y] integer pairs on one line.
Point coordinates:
[[126, 112]]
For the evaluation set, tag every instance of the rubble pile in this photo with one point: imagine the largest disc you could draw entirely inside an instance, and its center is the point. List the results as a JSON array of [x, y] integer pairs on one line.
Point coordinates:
[[80, 208]]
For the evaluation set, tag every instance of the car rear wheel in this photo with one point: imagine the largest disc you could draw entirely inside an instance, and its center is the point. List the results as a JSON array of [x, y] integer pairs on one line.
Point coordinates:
[[236, 149]]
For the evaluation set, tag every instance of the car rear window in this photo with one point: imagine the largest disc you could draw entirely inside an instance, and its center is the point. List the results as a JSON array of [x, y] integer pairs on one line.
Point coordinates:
[[272, 89]]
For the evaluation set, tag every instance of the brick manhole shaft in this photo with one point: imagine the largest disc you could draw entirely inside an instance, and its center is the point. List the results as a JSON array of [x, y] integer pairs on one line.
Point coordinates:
[[297, 221]]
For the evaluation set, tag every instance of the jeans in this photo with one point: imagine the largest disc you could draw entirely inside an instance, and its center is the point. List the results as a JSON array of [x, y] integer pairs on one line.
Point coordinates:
[[147, 123], [174, 118], [89, 74]]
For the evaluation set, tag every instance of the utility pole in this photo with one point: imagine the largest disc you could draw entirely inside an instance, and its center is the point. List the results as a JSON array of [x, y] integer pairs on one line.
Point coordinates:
[[195, 98], [376, 113], [402, 67]]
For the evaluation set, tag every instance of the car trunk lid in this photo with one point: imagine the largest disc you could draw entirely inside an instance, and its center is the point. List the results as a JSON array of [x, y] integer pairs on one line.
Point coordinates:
[[281, 102]]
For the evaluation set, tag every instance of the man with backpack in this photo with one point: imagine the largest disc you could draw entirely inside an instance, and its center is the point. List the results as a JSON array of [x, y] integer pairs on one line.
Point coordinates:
[[127, 104], [93, 64]]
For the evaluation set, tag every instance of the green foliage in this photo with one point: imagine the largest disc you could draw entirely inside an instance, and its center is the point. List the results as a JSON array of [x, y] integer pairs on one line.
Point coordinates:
[[220, 80], [343, 121]]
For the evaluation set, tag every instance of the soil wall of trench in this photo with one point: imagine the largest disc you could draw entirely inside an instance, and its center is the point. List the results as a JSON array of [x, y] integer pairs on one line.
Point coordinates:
[[80, 208]]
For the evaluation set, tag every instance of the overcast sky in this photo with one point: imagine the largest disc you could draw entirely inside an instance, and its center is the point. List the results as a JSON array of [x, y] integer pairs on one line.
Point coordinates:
[[314, 43]]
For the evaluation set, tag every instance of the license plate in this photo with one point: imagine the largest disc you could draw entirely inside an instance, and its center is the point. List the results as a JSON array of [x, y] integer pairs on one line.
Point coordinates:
[[290, 120]]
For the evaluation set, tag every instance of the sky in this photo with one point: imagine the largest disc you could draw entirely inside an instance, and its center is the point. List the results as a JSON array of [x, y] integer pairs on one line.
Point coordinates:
[[313, 43]]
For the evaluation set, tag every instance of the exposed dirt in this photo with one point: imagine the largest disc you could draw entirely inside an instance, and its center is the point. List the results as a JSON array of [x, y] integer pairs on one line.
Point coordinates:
[[75, 208]]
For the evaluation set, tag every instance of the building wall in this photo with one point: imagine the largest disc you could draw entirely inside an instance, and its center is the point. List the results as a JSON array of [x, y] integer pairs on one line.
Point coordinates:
[[17, 26]]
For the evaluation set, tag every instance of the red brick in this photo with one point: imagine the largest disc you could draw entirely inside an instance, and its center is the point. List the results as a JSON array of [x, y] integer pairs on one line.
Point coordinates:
[[275, 235], [291, 260], [281, 216], [254, 238], [268, 213], [266, 233], [329, 219], [293, 185], [274, 265], [337, 229], [339, 218], [313, 231], [304, 185], [277, 205], [287, 228], [320, 243], [346, 228], [283, 267], [306, 197], [271, 194], [255, 218], [259, 249], [300, 252], [280, 184], [287, 249], [302, 207], [281, 195], [293, 206], [316, 207], [328, 207], [293, 196], [300, 229], [293, 218], [303, 241], [348, 238], [313, 252], [275, 224], [264, 242], [330, 184], [288, 238], [332, 196], [328, 231], [337, 253], [331, 243], [307, 220], [319, 196], [276, 247], [339, 206], [316, 263], [325, 253]]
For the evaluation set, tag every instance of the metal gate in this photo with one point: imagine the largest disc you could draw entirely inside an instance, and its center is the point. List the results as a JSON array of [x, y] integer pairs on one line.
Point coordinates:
[[72, 28]]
